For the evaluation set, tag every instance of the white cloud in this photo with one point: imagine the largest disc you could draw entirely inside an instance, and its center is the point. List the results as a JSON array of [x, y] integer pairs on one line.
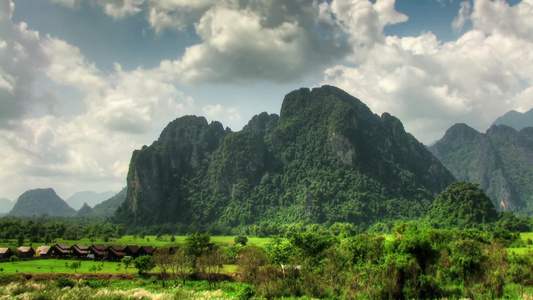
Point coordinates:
[[119, 9], [463, 17], [498, 17], [20, 56], [278, 41], [88, 150], [228, 116], [431, 85], [176, 14]]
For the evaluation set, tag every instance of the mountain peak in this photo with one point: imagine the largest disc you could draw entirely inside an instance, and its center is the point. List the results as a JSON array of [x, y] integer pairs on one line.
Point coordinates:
[[40, 202], [516, 120], [313, 163]]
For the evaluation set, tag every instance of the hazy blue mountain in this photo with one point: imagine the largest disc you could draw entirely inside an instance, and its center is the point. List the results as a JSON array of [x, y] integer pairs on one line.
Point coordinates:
[[108, 207], [41, 202], [77, 200], [6, 205], [516, 120]]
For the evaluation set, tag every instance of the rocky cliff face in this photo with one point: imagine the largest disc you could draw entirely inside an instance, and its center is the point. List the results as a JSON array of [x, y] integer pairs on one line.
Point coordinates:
[[500, 161], [41, 202], [327, 157]]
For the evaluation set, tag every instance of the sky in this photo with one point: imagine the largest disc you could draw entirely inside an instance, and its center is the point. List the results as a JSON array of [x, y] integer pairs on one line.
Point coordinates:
[[83, 83]]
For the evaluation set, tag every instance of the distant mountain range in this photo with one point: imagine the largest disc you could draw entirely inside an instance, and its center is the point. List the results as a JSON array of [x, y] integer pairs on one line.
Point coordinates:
[[325, 158], [516, 120], [46, 202], [500, 161], [77, 200]]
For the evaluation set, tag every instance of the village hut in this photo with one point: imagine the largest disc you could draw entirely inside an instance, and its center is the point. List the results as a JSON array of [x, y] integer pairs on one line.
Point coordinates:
[[44, 251]]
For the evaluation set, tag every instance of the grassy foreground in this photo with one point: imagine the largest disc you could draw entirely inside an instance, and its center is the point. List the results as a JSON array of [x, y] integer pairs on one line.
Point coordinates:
[[14, 287]]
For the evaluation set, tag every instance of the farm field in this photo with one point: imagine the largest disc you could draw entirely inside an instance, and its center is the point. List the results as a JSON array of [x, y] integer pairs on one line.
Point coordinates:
[[151, 240], [62, 266]]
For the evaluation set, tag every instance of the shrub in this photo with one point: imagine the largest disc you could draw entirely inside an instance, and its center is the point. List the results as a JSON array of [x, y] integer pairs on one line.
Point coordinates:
[[62, 282], [246, 292]]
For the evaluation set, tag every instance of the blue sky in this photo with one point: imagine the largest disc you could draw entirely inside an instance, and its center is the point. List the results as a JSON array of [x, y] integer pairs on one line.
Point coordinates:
[[85, 82]]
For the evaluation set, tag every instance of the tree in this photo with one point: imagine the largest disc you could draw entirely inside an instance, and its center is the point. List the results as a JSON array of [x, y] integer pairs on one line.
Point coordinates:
[[462, 205], [20, 239], [241, 239], [75, 265], [127, 260], [164, 260], [250, 259], [197, 244], [183, 265], [143, 264]]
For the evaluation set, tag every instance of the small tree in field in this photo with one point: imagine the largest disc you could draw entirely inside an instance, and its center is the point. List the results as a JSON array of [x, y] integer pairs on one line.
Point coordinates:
[[183, 265], [75, 265], [164, 260], [127, 260], [143, 264]]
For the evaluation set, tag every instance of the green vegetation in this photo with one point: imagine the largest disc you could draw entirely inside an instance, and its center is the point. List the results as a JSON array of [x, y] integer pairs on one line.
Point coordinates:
[[417, 261], [498, 160], [58, 266], [462, 205], [327, 158]]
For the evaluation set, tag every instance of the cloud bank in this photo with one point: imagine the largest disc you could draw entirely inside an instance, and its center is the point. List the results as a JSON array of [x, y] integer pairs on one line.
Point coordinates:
[[427, 83]]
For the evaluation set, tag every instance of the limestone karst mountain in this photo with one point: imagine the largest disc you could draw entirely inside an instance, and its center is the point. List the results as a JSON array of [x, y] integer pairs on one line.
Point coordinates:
[[325, 158]]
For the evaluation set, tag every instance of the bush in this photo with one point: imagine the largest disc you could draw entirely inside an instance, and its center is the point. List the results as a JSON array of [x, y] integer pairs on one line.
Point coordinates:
[[246, 292], [95, 284], [62, 282]]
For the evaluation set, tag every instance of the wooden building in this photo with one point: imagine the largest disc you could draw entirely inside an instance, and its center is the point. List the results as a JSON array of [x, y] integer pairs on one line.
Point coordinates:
[[81, 251], [5, 253], [146, 250], [26, 252], [62, 251], [132, 250], [115, 253], [98, 251], [44, 251]]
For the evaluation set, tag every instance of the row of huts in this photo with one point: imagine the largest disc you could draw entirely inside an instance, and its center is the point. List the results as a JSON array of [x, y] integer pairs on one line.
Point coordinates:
[[94, 252]]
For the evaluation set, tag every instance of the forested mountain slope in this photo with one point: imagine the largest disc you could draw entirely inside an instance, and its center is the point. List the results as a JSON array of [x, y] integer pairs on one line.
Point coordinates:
[[326, 158], [40, 202], [500, 161]]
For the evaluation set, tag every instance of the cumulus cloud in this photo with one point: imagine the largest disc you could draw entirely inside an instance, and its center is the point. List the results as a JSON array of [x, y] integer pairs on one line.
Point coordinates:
[[278, 40], [431, 85], [498, 17], [90, 149], [20, 56], [117, 9], [463, 17]]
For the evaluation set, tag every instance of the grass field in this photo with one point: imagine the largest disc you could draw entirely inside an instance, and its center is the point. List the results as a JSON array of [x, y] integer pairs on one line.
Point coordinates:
[[146, 241], [39, 266], [60, 266]]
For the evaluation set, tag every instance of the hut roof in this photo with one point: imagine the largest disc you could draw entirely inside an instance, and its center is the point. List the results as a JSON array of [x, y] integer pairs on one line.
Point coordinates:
[[5, 251], [43, 250], [25, 249]]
